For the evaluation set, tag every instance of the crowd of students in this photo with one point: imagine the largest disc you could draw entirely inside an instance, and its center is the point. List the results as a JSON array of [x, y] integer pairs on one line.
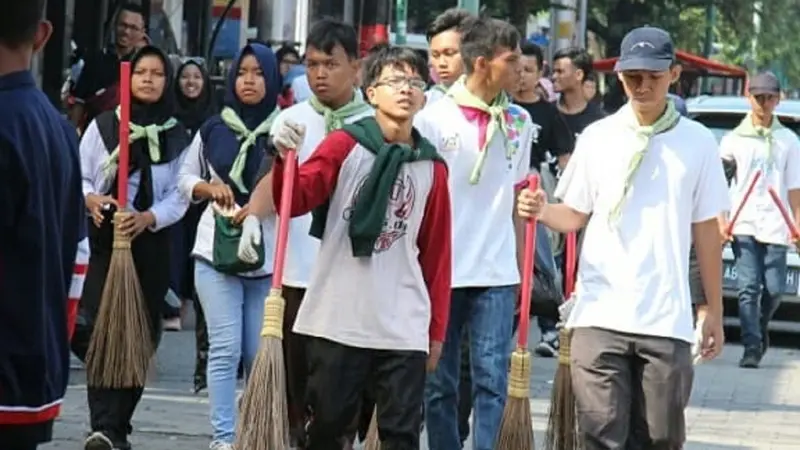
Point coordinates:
[[408, 215]]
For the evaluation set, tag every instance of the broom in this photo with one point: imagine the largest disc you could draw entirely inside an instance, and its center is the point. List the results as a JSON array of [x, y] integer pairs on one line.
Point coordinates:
[[793, 230], [561, 431], [373, 441], [264, 420], [739, 208], [120, 347], [516, 427]]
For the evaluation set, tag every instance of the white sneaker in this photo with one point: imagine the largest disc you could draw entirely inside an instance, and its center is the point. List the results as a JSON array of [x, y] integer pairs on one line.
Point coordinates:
[[98, 441], [219, 445]]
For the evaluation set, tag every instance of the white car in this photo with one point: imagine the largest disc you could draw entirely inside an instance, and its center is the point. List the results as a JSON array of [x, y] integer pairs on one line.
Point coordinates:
[[722, 114]]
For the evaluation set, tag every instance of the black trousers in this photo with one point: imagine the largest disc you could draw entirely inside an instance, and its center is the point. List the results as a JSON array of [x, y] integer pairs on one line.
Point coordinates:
[[25, 437], [338, 375], [111, 410]]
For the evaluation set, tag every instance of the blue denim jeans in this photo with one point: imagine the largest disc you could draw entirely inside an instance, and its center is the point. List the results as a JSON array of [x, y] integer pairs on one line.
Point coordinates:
[[761, 277], [234, 310], [488, 313]]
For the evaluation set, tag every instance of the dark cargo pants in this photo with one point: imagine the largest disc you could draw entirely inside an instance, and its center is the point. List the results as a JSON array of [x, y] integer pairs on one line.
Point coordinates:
[[630, 390]]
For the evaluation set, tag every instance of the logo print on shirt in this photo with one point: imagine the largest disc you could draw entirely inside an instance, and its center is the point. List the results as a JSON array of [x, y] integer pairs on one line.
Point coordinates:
[[398, 211], [450, 143]]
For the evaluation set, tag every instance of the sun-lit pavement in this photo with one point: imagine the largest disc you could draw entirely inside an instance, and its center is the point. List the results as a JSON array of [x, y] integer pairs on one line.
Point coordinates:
[[731, 408]]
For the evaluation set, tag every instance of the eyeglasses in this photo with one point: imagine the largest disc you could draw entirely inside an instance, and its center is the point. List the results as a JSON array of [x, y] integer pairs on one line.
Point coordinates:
[[399, 83]]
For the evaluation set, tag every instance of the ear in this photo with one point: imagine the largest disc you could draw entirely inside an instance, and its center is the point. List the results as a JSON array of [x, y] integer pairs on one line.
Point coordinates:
[[675, 73], [480, 64], [371, 92], [619, 77], [43, 33], [580, 74]]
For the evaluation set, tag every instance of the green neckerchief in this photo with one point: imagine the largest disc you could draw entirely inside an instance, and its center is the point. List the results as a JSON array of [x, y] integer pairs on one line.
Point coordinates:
[[369, 211], [247, 138], [150, 132], [748, 129], [497, 121], [644, 133], [334, 119]]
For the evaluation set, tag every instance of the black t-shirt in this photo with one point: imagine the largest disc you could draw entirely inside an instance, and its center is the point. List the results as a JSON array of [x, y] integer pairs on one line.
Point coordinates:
[[569, 126], [100, 72], [545, 121]]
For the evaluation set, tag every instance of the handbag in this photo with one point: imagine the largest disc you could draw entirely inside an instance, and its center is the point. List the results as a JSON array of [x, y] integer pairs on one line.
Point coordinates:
[[546, 295], [225, 258]]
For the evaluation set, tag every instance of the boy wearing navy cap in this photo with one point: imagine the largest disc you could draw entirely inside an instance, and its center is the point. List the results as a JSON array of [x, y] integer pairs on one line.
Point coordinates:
[[643, 181], [42, 221]]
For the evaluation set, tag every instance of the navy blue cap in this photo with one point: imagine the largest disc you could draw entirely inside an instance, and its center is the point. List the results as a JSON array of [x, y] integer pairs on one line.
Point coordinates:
[[646, 48], [764, 83]]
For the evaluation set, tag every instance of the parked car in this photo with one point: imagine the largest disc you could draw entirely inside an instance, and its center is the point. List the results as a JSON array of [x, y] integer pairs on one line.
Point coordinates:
[[722, 114]]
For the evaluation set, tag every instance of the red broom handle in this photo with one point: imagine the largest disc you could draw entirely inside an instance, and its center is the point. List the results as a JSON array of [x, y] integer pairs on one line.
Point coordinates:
[[570, 251], [124, 132], [284, 216], [527, 273], [739, 208], [785, 213]]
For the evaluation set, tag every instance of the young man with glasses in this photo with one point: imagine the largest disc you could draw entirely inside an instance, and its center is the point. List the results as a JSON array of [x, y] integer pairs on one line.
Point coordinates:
[[96, 88], [375, 310]]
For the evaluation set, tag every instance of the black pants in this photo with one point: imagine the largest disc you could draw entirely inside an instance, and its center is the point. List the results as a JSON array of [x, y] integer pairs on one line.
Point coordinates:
[[296, 360], [338, 375], [630, 390], [111, 410], [25, 437]]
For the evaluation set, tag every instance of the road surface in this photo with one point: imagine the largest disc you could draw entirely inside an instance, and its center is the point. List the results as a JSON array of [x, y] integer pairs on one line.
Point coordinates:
[[731, 409]]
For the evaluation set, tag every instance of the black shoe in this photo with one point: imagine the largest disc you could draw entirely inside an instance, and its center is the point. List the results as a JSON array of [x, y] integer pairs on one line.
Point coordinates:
[[98, 441], [548, 346], [751, 358]]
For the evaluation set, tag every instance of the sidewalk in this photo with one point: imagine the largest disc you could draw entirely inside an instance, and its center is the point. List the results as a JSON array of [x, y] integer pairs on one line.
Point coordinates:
[[732, 408]]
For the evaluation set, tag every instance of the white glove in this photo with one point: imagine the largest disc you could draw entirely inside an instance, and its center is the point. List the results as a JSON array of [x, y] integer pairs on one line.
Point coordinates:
[[251, 239], [698, 343], [289, 136]]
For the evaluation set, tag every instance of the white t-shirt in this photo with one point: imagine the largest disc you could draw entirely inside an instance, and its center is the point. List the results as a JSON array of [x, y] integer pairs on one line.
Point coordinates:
[[484, 240], [432, 95], [302, 248], [760, 217], [633, 274]]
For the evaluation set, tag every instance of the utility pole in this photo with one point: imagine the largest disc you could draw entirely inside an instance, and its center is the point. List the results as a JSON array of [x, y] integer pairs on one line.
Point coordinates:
[[401, 21], [708, 44], [473, 6]]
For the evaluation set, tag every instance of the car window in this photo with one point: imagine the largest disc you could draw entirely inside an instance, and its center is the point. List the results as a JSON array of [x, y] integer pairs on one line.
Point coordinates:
[[722, 123]]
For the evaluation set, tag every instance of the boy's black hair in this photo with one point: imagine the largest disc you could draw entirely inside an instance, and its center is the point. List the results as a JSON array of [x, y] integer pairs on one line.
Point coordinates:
[[533, 50], [19, 20], [590, 77], [131, 8], [328, 33], [400, 57], [286, 50], [579, 57], [452, 19], [484, 36]]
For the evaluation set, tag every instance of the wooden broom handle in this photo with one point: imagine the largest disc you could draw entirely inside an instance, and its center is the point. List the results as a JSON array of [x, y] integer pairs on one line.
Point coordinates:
[[124, 133], [284, 217], [527, 273], [785, 213], [747, 193]]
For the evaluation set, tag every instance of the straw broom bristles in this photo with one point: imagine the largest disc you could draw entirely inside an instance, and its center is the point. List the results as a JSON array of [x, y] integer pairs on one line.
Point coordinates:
[[373, 440], [516, 427], [121, 346], [561, 424], [264, 414]]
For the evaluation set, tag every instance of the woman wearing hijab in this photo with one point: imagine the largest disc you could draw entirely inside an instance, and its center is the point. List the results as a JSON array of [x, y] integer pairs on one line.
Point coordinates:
[[195, 101], [223, 165], [157, 142]]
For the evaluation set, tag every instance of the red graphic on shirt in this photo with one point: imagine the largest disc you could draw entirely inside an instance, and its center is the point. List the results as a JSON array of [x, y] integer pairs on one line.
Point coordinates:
[[398, 211]]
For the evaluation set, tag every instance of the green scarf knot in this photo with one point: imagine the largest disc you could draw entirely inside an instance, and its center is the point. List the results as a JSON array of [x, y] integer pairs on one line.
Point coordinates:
[[644, 133], [369, 211], [149, 132], [497, 121], [748, 129], [247, 138], [335, 118]]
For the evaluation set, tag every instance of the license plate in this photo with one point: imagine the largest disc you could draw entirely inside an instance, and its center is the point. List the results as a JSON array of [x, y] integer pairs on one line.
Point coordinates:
[[729, 278]]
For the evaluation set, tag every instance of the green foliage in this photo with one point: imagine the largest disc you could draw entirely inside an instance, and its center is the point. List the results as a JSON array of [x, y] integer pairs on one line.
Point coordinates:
[[733, 29]]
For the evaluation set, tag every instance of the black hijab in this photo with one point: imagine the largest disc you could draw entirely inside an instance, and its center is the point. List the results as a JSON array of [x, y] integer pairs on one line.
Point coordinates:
[[172, 142], [192, 112]]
